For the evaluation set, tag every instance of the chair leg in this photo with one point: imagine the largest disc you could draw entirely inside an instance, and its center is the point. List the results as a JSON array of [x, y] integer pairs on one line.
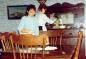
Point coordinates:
[[35, 52], [31, 52], [27, 52], [23, 52], [20, 53], [43, 54], [14, 55]]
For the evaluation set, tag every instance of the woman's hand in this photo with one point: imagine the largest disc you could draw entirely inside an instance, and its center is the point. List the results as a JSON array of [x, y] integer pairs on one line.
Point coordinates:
[[24, 30], [52, 15]]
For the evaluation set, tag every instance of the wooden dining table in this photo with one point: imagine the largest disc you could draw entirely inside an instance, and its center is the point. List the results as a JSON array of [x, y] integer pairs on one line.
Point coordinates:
[[27, 40]]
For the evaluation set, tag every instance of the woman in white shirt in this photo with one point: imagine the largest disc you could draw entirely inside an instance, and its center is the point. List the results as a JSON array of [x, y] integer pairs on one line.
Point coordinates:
[[42, 18]]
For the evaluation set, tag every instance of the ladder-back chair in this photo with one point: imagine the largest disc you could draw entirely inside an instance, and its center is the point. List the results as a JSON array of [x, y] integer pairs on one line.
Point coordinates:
[[27, 45], [7, 44]]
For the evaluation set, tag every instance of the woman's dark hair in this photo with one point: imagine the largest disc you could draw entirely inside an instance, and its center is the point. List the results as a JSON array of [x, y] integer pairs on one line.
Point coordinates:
[[42, 6], [31, 6]]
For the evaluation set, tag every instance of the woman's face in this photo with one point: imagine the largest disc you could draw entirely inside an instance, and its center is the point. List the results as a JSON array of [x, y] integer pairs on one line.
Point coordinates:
[[43, 10], [31, 12]]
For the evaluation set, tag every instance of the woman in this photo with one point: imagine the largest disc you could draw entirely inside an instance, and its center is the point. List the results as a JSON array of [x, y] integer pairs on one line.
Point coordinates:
[[42, 18], [28, 23]]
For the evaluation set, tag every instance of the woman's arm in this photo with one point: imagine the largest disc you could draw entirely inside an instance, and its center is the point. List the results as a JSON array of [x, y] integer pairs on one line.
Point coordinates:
[[48, 20]]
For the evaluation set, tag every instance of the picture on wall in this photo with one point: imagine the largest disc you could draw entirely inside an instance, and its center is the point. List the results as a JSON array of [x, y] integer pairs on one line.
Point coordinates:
[[16, 11]]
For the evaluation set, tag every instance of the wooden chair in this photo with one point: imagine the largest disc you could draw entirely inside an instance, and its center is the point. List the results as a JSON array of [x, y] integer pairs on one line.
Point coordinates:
[[54, 37], [7, 44], [23, 42], [0, 40], [57, 37], [79, 40]]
